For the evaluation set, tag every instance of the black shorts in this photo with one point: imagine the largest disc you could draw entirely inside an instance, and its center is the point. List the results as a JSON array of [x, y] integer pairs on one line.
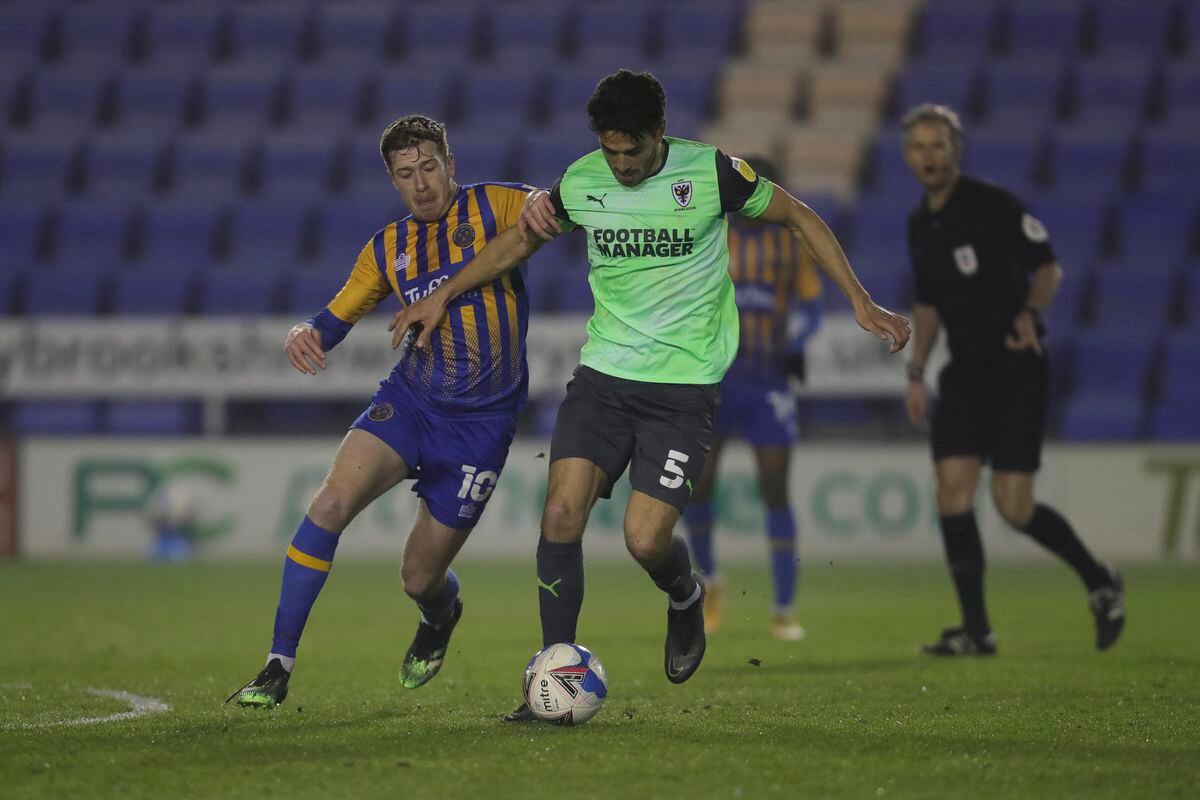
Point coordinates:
[[997, 413], [663, 429]]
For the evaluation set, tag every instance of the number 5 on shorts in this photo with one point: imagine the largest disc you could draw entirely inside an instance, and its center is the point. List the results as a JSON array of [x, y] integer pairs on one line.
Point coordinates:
[[674, 469]]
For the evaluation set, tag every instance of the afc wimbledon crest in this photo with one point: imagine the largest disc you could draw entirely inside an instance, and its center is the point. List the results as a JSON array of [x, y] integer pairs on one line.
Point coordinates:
[[682, 192], [966, 260]]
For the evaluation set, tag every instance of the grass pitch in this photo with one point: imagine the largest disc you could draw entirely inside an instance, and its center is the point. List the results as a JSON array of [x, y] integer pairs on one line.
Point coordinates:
[[850, 712]]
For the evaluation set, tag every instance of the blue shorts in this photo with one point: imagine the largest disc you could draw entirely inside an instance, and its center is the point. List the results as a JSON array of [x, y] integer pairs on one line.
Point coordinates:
[[761, 412], [456, 462]]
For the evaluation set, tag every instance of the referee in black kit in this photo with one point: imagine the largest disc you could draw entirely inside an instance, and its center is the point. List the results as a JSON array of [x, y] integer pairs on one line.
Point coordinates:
[[984, 270]]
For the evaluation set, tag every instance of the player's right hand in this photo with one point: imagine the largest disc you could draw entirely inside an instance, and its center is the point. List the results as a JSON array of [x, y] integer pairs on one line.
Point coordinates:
[[303, 348], [916, 402], [537, 217]]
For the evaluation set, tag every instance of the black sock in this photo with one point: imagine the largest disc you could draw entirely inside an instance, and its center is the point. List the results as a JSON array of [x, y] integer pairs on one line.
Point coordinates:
[[1048, 528], [560, 589], [674, 573], [964, 554]]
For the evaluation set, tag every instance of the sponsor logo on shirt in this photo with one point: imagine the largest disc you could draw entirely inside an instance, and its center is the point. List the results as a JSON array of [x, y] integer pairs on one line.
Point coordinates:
[[643, 242]]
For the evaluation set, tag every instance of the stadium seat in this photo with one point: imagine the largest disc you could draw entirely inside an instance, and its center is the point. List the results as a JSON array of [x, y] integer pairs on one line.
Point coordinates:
[[1175, 419], [92, 233], [1130, 27], [25, 32], [1170, 160], [1113, 363], [574, 292], [11, 279], [880, 231], [1133, 295], [22, 226], [270, 231], [499, 101], [239, 291], [150, 418], [208, 166], [308, 291], [65, 102], [547, 155], [482, 156], [1047, 27], [527, 29], [1076, 226], [951, 32], [179, 235], [1084, 164], [934, 84], [442, 36], [1180, 376], [432, 95], [1180, 89], [356, 32], [344, 225], [238, 102], [124, 165], [97, 31], [34, 169], [1101, 418], [710, 28], [603, 25], [330, 99], [55, 290], [297, 164], [153, 291], [150, 100], [181, 37], [1024, 88], [1009, 160], [1156, 229], [56, 418], [1112, 89], [267, 33]]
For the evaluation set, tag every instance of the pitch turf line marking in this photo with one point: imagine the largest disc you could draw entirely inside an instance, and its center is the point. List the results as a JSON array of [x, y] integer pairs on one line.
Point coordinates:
[[139, 706]]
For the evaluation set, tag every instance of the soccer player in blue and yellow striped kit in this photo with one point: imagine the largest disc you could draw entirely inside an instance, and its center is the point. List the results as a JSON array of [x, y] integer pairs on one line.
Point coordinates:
[[778, 295], [445, 416]]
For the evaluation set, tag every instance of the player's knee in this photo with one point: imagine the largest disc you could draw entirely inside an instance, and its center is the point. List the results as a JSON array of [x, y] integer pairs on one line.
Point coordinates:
[[563, 521], [955, 497], [647, 547], [774, 493], [419, 583], [331, 508], [1015, 507]]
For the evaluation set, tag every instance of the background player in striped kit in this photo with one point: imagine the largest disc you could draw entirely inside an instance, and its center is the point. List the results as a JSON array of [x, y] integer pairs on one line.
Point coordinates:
[[446, 414], [778, 293]]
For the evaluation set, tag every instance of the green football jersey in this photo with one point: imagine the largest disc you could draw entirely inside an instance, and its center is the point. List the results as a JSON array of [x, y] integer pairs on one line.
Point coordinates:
[[660, 261]]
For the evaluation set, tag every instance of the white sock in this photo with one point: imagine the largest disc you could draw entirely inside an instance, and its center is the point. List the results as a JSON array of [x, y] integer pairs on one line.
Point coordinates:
[[686, 603], [288, 662]]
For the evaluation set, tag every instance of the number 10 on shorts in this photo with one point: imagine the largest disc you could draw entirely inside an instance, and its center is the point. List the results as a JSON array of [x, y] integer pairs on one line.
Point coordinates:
[[674, 477]]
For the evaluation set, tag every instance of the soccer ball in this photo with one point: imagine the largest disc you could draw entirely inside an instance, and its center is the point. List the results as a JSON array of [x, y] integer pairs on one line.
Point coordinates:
[[565, 684]]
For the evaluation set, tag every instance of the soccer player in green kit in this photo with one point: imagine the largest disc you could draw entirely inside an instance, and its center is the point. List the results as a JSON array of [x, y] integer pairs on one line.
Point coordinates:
[[664, 332]]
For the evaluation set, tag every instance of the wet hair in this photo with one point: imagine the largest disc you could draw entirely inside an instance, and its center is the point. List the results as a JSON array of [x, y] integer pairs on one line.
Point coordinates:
[[410, 131], [632, 103], [932, 112]]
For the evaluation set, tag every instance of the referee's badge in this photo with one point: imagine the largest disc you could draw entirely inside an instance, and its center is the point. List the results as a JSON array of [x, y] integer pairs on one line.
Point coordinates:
[[1033, 229], [967, 261]]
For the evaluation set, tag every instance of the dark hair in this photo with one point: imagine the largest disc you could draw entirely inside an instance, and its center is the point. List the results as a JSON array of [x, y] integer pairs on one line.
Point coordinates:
[[410, 131], [632, 103]]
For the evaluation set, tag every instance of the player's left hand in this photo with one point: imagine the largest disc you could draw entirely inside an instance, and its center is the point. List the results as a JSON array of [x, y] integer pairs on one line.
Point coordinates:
[[1025, 328], [421, 317], [537, 217], [877, 320]]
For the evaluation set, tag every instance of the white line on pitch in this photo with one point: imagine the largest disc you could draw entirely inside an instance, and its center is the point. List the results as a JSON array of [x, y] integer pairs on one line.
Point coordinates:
[[138, 707]]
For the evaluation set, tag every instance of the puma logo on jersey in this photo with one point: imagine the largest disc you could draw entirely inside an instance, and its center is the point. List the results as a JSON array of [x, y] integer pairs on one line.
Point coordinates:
[[593, 199]]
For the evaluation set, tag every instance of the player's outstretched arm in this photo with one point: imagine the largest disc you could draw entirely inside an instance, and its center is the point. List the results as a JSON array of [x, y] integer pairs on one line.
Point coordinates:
[[499, 256], [820, 243], [303, 348]]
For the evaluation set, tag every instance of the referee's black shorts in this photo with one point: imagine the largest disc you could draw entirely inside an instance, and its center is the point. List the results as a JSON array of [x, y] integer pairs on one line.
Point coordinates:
[[996, 412], [661, 431]]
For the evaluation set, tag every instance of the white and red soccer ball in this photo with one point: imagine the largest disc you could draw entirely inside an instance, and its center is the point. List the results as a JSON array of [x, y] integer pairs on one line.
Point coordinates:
[[565, 684]]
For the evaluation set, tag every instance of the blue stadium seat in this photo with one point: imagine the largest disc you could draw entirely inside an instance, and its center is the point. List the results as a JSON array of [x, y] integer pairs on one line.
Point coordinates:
[[343, 226], [543, 277], [91, 233], [269, 231], [22, 226], [935, 84], [56, 417], [499, 101], [568, 94], [1030, 88], [1076, 226], [1009, 160], [1133, 295], [208, 166], [1069, 299], [152, 291], [66, 101], [890, 175], [1176, 419], [239, 102], [126, 166], [711, 28], [308, 291], [97, 30], [441, 35], [880, 231], [574, 292], [34, 168], [1156, 229], [58, 291], [356, 32], [1180, 93], [150, 418], [527, 29], [297, 164], [547, 156], [482, 156], [1170, 162], [689, 91], [1191, 297], [269, 33], [24, 31], [1112, 90], [180, 235], [11, 278], [1102, 418], [1113, 363], [951, 32], [602, 25], [153, 100], [182, 36], [327, 99], [239, 291], [1086, 165], [11, 82], [402, 93], [1132, 27], [1181, 356], [1047, 27]]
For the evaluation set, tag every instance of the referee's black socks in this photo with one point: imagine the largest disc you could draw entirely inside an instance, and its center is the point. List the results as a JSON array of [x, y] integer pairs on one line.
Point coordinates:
[[1049, 529], [674, 574], [964, 554], [560, 589]]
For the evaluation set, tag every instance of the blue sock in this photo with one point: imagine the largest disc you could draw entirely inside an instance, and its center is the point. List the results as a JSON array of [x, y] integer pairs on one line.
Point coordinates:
[[699, 520], [438, 610], [781, 535], [304, 572]]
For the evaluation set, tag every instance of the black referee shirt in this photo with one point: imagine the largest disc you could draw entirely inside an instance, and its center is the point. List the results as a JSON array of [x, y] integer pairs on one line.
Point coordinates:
[[973, 261]]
